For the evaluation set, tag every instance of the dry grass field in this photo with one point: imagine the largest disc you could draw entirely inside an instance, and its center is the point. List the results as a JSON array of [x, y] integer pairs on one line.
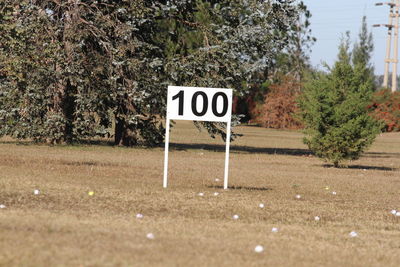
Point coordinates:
[[65, 226]]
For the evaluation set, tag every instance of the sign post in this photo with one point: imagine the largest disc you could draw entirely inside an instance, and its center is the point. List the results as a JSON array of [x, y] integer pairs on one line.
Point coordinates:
[[199, 104]]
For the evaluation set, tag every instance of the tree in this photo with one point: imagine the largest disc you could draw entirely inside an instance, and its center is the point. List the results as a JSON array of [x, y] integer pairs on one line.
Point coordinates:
[[76, 69], [362, 50], [72, 67], [334, 111], [280, 105], [290, 65]]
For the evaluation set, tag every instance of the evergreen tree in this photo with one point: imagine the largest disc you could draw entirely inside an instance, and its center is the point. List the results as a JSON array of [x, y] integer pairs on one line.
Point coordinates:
[[334, 111], [362, 51]]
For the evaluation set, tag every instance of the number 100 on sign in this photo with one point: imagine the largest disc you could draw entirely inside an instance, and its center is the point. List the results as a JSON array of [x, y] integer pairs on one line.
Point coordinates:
[[199, 104]]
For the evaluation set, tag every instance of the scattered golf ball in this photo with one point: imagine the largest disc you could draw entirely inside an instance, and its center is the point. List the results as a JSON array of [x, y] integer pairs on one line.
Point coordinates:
[[200, 194], [259, 249], [317, 218], [36, 192], [334, 193], [216, 179], [235, 217], [91, 193], [353, 234], [398, 214], [150, 236], [139, 216], [393, 212], [216, 194], [298, 196], [261, 205], [2, 206], [274, 230], [326, 187]]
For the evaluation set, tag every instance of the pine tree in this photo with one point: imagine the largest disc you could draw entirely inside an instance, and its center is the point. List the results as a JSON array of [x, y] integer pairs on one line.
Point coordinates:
[[362, 50], [334, 111]]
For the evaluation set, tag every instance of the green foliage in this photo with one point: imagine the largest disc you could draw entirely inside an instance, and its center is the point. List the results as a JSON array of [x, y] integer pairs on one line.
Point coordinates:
[[73, 69], [363, 49], [334, 111]]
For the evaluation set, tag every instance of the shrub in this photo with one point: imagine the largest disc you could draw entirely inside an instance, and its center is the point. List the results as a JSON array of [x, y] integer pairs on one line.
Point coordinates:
[[334, 111], [280, 105], [386, 107]]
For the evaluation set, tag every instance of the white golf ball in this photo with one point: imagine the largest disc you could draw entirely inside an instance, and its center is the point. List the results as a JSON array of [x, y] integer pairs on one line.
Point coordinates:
[[317, 218], [298, 196], [36, 192], [261, 205], [398, 214], [139, 216], [353, 234], [2, 206], [333, 193], [393, 212], [200, 194], [150, 236], [216, 194], [216, 179], [259, 249], [274, 230], [235, 217]]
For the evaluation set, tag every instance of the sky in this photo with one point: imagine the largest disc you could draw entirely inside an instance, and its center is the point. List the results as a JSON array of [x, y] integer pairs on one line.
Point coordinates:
[[331, 19]]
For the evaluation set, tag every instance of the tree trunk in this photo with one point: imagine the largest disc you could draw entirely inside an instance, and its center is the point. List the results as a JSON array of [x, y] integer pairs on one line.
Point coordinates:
[[119, 131], [124, 136]]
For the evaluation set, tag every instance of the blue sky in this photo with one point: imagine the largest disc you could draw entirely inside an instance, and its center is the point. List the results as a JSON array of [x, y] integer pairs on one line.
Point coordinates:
[[333, 18]]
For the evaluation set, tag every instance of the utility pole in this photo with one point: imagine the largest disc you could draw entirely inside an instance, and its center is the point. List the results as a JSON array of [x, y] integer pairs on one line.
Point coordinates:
[[394, 13]]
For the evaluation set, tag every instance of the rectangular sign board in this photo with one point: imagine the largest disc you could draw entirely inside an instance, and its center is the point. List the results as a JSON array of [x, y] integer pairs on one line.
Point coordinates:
[[199, 104]]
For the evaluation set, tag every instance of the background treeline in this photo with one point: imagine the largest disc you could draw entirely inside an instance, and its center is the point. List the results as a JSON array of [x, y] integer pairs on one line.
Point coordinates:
[[73, 70]]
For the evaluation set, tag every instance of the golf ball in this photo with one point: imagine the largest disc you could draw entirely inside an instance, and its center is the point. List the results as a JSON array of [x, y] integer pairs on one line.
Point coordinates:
[[36, 192], [139, 216], [259, 249], [261, 205], [235, 217], [326, 187], [298, 196], [317, 218], [393, 212], [200, 194], [333, 193], [216, 179], [353, 234], [91, 193], [2, 206], [216, 194], [150, 236], [274, 230]]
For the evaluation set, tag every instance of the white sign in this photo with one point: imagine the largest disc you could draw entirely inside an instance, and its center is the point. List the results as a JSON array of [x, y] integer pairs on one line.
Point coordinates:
[[199, 104]]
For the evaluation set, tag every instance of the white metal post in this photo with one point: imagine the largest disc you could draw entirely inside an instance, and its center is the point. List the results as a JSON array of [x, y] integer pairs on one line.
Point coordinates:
[[228, 140], [396, 44], [165, 184], [388, 47]]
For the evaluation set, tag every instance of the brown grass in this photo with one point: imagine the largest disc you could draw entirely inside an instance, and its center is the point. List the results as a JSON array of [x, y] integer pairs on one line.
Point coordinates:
[[64, 226]]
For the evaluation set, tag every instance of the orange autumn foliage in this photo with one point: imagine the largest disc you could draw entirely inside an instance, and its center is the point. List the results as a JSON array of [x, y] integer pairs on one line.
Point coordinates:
[[279, 106]]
